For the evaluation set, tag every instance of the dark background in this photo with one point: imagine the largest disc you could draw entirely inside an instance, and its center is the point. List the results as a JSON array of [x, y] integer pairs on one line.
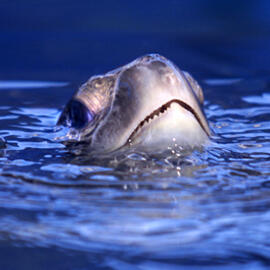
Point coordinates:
[[67, 40]]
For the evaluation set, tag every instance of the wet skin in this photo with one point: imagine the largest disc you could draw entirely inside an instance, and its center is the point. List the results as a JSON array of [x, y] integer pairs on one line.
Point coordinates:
[[148, 104]]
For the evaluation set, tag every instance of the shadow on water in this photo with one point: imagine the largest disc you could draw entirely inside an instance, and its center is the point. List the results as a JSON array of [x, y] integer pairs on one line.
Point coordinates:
[[63, 208]]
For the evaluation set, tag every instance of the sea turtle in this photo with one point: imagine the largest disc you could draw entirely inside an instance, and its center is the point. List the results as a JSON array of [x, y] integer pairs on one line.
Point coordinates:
[[149, 103]]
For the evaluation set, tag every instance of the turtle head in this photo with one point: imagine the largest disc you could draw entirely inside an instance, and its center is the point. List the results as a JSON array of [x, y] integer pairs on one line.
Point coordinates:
[[146, 103]]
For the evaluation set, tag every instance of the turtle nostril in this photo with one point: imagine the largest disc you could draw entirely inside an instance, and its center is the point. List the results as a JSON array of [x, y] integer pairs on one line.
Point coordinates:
[[76, 115]]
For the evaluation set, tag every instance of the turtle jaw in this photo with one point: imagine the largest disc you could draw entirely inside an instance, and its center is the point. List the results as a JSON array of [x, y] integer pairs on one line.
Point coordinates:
[[174, 122]]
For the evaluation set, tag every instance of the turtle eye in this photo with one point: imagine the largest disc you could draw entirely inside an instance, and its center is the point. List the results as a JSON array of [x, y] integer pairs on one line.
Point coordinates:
[[76, 115]]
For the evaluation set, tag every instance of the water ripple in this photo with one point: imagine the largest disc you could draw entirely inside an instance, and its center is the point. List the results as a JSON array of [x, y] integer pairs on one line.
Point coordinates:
[[208, 205]]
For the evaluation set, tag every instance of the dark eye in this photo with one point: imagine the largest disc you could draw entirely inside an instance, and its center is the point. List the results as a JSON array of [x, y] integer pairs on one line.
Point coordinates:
[[76, 115]]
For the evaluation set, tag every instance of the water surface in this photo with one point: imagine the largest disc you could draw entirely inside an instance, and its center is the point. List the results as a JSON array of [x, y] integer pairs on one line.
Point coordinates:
[[203, 208]]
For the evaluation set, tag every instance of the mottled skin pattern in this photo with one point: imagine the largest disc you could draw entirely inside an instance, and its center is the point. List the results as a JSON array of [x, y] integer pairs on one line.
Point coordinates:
[[121, 100]]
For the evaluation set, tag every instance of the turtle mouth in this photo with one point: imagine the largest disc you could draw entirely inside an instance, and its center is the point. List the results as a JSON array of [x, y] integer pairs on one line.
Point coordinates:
[[161, 110]]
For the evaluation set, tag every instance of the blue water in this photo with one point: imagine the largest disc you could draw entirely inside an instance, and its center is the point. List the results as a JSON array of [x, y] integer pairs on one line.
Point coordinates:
[[61, 208]]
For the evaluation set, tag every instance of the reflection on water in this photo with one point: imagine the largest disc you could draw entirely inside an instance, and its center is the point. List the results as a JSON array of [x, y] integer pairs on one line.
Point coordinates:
[[29, 84], [205, 207]]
